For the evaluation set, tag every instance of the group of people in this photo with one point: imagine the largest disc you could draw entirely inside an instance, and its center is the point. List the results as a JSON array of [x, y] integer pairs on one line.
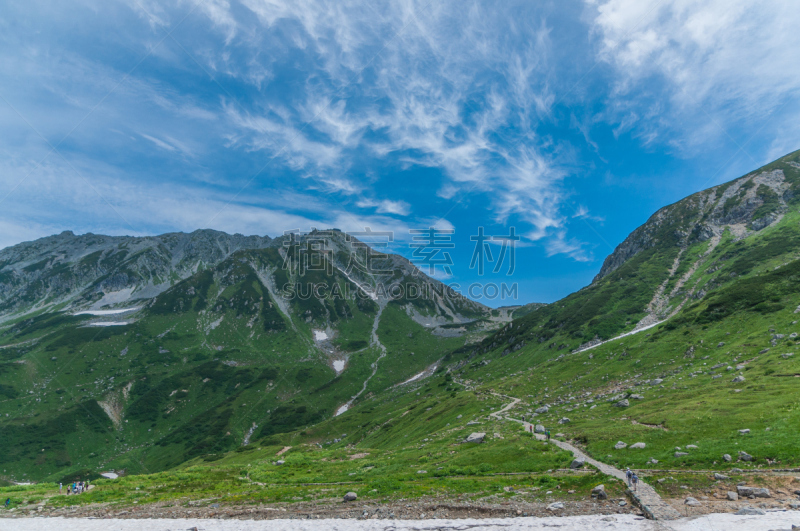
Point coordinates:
[[632, 478], [77, 487], [530, 428]]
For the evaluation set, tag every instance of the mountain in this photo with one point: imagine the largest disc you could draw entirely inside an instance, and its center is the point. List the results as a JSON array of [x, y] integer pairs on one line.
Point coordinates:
[[72, 271], [684, 342], [686, 336], [141, 353]]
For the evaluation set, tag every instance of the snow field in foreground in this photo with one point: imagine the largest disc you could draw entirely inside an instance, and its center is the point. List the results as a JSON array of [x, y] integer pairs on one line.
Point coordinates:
[[715, 522]]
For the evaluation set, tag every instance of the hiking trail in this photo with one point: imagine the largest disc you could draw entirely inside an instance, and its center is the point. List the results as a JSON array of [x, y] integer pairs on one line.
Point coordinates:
[[645, 496]]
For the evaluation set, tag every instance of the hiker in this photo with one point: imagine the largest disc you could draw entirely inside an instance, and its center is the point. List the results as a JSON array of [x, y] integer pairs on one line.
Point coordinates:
[[68, 490], [523, 418], [8, 502], [628, 476], [635, 481], [60, 487], [547, 432]]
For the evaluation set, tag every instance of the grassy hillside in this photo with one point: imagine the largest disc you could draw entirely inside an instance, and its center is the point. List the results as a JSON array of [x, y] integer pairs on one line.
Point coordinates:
[[707, 292]]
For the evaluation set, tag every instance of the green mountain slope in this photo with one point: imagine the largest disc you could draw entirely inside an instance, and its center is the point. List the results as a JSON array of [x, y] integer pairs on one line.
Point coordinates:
[[687, 335], [703, 298], [267, 340]]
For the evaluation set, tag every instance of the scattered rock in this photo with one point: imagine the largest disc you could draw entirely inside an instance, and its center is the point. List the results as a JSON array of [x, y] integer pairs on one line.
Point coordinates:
[[476, 437], [744, 431], [622, 503], [280, 462], [350, 496], [637, 397], [557, 506], [563, 420], [748, 511], [656, 381], [620, 445], [738, 379], [720, 477], [623, 403], [744, 456], [542, 410], [691, 502], [732, 496], [680, 454], [638, 445], [691, 446], [539, 428], [761, 493], [727, 457], [737, 471]]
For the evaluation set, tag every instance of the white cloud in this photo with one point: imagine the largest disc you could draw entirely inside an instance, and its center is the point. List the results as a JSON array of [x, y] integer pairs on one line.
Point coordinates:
[[724, 66], [400, 208]]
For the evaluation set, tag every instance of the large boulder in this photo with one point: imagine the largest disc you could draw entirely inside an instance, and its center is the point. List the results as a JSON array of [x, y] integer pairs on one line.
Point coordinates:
[[476, 437], [620, 445], [638, 446], [727, 457], [563, 420], [623, 403], [732, 496], [350, 496], [542, 410], [738, 379], [599, 492], [753, 491], [576, 463], [744, 456], [539, 428]]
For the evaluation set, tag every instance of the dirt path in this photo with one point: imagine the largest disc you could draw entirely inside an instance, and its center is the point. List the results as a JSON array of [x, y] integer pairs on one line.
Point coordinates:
[[645, 496]]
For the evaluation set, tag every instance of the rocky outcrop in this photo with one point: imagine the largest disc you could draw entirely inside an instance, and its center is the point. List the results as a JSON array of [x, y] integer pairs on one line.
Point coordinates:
[[702, 215]]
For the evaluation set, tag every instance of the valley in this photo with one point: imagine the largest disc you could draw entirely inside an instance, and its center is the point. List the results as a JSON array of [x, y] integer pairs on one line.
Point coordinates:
[[214, 392]]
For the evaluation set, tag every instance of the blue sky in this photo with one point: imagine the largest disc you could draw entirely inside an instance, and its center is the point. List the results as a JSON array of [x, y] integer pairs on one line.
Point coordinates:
[[570, 121]]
